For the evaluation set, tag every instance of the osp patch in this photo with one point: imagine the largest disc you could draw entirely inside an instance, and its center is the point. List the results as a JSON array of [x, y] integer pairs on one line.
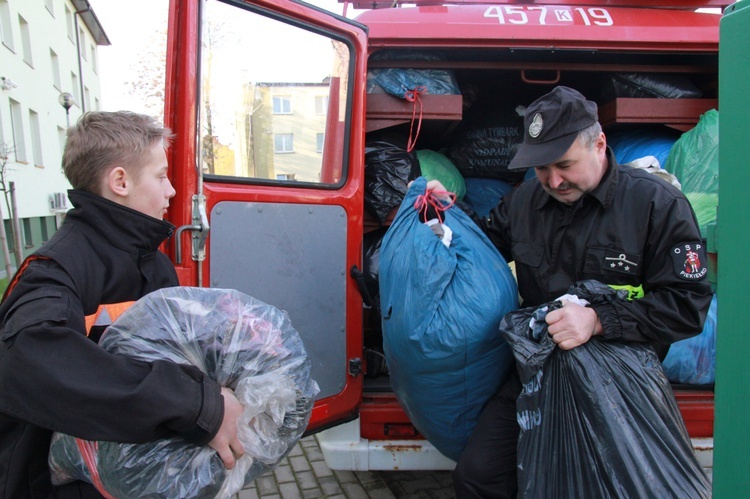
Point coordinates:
[[689, 261]]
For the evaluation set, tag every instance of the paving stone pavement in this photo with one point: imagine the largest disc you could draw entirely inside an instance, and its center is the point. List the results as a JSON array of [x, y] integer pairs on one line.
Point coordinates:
[[304, 474]]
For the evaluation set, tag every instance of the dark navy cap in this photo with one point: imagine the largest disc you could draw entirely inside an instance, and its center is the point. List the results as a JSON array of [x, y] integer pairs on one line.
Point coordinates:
[[551, 125]]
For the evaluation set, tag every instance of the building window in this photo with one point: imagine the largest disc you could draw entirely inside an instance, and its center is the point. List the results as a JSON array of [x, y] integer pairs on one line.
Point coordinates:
[[82, 44], [3, 145], [282, 104], [321, 104], [9, 233], [50, 4], [28, 237], [62, 137], [94, 65], [76, 90], [5, 25], [55, 61], [36, 138], [26, 41], [319, 141], [19, 144], [43, 229], [87, 98], [283, 143], [69, 23]]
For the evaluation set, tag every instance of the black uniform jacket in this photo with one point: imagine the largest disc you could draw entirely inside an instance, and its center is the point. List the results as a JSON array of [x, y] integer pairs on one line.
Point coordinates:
[[634, 230], [54, 378]]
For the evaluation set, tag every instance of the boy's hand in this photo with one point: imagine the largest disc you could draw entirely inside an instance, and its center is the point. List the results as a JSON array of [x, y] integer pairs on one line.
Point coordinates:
[[226, 442], [572, 325]]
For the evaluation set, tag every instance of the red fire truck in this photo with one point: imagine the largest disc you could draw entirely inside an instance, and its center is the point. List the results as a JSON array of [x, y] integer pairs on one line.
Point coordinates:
[[272, 104]]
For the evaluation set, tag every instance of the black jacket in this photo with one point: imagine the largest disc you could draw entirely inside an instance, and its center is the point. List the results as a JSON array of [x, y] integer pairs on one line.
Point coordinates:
[[633, 230], [54, 378]]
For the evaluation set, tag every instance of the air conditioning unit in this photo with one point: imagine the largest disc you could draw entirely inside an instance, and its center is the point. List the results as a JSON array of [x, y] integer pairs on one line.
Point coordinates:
[[58, 201]]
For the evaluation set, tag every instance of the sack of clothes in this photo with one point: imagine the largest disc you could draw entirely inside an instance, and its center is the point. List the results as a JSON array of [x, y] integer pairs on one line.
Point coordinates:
[[389, 168], [599, 420], [694, 160], [399, 81], [242, 343], [693, 361], [443, 290]]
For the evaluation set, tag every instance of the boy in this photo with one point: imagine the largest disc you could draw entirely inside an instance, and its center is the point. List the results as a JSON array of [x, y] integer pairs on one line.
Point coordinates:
[[53, 374]]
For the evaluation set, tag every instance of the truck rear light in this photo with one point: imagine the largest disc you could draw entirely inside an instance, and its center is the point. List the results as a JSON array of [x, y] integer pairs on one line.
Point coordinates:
[[400, 430]]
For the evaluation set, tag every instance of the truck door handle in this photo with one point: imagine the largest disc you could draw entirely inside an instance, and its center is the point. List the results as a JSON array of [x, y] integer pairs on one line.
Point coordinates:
[[200, 226]]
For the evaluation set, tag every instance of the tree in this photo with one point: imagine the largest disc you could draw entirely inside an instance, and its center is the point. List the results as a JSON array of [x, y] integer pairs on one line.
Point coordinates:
[[148, 82], [214, 38], [7, 187]]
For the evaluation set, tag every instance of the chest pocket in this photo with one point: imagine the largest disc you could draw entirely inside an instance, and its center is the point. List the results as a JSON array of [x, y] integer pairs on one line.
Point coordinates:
[[528, 254], [612, 266]]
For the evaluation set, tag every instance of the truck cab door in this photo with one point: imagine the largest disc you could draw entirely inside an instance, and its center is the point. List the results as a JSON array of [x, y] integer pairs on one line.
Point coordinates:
[[266, 101]]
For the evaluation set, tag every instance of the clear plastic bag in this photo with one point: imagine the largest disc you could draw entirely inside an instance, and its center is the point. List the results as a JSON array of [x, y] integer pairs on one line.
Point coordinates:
[[242, 343]]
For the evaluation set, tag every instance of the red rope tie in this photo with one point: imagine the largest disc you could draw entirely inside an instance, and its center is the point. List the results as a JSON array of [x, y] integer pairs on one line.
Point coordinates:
[[413, 96], [89, 451], [430, 199]]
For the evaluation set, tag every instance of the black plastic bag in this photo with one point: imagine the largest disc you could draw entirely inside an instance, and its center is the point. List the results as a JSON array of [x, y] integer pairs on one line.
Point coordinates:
[[649, 85], [599, 420], [485, 144], [388, 170], [371, 243]]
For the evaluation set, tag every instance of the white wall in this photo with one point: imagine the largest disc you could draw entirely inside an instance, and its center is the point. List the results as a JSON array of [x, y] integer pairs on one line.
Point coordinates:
[[38, 27]]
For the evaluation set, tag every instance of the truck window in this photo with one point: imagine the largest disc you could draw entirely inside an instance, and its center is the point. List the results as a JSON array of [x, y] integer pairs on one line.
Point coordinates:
[[269, 93]]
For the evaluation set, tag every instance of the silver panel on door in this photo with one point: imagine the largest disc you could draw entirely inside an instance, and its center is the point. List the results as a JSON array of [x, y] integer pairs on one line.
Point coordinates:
[[291, 256]]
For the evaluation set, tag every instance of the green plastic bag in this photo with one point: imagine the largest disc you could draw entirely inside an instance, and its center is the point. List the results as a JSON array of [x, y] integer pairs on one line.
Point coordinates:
[[437, 166], [694, 160]]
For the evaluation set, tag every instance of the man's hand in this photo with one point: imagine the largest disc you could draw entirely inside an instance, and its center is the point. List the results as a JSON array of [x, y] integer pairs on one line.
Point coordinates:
[[226, 442], [437, 189], [572, 325]]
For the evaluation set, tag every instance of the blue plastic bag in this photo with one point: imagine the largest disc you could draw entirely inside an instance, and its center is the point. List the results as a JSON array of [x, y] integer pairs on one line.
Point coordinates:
[[693, 361], [633, 144], [483, 194], [441, 309], [399, 81]]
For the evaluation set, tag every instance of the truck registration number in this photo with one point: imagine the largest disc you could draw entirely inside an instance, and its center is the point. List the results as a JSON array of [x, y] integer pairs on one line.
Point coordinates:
[[550, 15]]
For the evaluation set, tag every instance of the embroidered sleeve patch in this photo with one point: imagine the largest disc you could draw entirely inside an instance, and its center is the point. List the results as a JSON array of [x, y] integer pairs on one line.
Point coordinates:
[[689, 261], [621, 262]]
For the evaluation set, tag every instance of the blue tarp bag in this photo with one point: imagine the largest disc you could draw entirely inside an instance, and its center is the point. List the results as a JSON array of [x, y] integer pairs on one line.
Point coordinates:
[[441, 309], [693, 361]]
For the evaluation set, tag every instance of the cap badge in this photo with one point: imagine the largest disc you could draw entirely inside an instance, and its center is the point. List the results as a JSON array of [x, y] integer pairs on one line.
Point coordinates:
[[535, 128]]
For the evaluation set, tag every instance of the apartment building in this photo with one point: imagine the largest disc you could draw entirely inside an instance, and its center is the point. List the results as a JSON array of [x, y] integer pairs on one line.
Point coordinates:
[[49, 76]]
